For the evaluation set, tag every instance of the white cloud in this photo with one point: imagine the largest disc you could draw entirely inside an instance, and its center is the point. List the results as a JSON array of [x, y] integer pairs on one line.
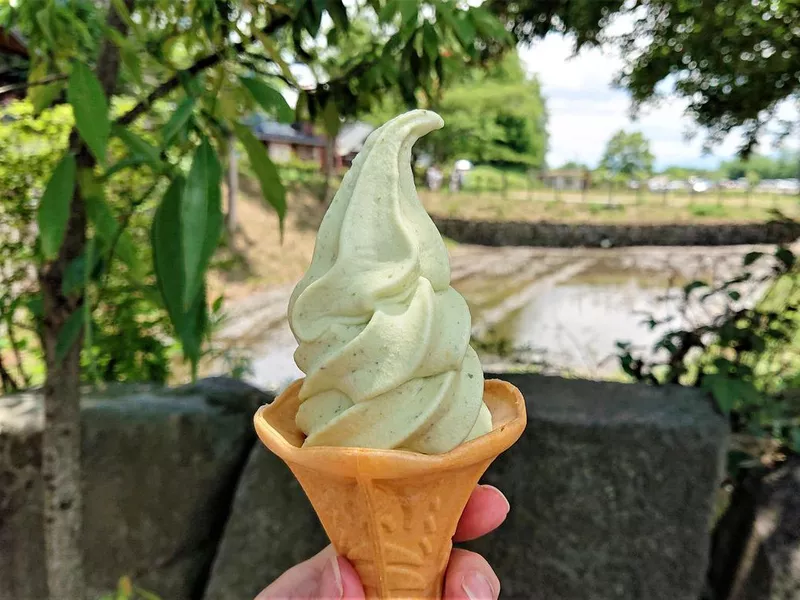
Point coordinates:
[[585, 109]]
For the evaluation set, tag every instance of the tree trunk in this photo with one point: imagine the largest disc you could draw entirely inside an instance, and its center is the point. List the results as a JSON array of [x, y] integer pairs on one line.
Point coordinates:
[[233, 187], [61, 440]]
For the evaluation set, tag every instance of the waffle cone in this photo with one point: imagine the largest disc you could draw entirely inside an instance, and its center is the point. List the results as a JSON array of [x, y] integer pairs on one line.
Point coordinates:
[[391, 513]]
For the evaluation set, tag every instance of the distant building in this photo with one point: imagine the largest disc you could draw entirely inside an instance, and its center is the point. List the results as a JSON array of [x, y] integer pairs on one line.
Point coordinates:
[[567, 179], [350, 140], [12, 43], [286, 142]]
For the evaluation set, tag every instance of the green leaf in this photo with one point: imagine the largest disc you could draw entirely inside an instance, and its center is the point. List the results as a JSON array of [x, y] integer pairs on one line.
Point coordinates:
[[751, 257], [729, 392], [430, 41], [43, 18], [68, 334], [138, 147], [338, 14], [125, 15], [488, 24], [124, 163], [130, 58], [275, 54], [165, 239], [694, 285], [270, 99], [330, 116], [734, 295], [201, 218], [178, 120], [90, 108], [74, 275], [463, 29], [107, 228], [54, 206], [129, 54], [409, 12], [145, 594], [41, 96], [388, 11], [786, 257], [795, 439], [271, 187]]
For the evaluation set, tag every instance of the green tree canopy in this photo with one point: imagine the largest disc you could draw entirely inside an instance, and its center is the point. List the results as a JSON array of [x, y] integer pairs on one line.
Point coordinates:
[[734, 62], [493, 115], [628, 154], [766, 167]]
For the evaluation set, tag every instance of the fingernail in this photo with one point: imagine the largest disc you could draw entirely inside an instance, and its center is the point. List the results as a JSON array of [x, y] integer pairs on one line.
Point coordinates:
[[499, 493], [331, 587], [477, 587]]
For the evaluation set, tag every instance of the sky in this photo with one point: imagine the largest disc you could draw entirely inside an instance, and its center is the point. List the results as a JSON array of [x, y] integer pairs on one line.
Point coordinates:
[[585, 110]]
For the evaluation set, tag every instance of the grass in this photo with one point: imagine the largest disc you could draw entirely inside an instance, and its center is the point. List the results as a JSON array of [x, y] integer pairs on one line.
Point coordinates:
[[572, 207]]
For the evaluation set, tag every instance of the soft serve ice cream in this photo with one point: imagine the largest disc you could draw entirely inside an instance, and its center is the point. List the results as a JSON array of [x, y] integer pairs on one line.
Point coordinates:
[[383, 338]]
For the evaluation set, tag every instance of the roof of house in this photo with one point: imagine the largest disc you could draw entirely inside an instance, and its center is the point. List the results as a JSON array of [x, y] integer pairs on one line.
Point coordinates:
[[351, 137], [12, 43], [268, 130]]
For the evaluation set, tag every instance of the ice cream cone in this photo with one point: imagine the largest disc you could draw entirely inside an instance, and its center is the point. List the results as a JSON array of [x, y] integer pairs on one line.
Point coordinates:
[[391, 513]]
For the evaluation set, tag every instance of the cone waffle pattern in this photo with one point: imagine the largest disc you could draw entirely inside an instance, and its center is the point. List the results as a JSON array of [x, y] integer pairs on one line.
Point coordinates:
[[392, 513]]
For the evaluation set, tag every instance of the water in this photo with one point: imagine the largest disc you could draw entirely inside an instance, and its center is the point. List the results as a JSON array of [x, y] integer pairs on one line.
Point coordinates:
[[565, 307]]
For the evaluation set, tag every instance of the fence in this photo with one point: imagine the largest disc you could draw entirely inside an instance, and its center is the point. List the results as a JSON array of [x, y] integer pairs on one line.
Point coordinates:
[[612, 193]]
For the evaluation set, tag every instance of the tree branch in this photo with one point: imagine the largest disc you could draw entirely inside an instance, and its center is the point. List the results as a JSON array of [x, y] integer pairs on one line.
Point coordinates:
[[199, 66], [13, 87]]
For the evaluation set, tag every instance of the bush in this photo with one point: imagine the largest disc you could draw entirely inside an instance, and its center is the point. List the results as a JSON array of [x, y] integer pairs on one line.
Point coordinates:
[[129, 333], [484, 178], [747, 358]]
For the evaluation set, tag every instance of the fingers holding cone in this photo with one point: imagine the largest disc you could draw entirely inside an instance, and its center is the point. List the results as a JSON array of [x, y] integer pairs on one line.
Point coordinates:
[[485, 511], [468, 577], [325, 575]]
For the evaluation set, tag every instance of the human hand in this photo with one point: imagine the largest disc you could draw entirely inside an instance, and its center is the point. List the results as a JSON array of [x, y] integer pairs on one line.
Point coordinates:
[[327, 576]]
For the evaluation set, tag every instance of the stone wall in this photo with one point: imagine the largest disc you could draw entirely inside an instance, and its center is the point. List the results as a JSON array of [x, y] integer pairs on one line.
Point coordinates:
[[160, 468], [611, 489], [562, 235]]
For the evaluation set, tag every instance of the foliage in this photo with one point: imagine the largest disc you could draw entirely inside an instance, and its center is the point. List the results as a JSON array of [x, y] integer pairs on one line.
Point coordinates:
[[25, 162], [733, 62], [784, 166], [216, 62], [126, 590], [130, 340], [484, 178], [628, 154], [748, 358], [530, 19], [493, 116]]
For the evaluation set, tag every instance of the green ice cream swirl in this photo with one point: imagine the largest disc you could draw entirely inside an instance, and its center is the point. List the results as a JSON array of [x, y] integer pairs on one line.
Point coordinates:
[[383, 338]]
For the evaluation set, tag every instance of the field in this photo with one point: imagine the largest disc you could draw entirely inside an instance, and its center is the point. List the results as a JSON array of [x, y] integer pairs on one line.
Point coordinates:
[[616, 207], [259, 259]]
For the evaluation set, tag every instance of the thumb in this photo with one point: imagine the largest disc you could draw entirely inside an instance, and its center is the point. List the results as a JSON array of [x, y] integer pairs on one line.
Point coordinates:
[[339, 580], [326, 576], [469, 577]]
